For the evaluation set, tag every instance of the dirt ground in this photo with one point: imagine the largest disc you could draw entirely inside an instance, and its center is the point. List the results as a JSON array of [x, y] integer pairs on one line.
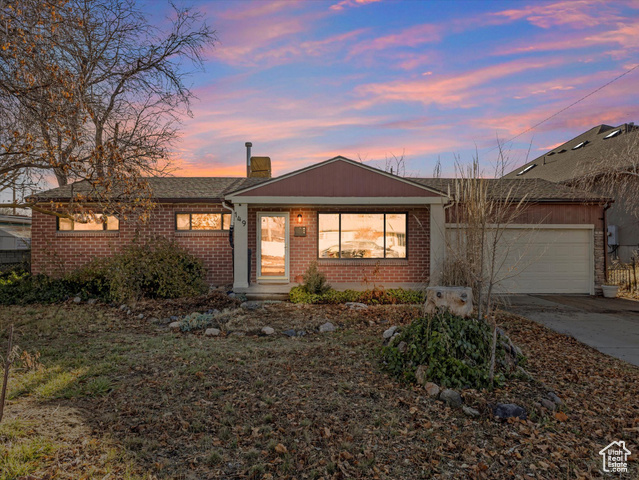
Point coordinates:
[[113, 396]]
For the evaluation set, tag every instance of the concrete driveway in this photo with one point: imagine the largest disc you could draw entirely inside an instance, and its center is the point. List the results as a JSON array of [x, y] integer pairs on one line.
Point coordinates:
[[611, 325]]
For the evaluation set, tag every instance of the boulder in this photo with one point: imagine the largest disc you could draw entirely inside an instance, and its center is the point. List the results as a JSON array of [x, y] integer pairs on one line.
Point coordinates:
[[92, 301], [77, 300], [268, 330], [554, 398], [124, 307], [471, 412], [356, 305], [211, 332], [402, 347], [457, 300], [548, 404], [175, 326], [252, 305], [431, 389], [141, 316], [327, 327], [451, 398], [389, 333], [290, 333], [504, 411], [420, 374]]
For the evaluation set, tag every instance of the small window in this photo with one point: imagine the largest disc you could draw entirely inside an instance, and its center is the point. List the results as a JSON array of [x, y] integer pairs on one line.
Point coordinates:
[[551, 153], [527, 169], [579, 145], [613, 134], [83, 224], [202, 221], [361, 235]]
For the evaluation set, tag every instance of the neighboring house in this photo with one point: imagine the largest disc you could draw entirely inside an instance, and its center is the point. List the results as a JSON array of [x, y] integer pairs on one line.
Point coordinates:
[[362, 225], [15, 239], [570, 162], [15, 232]]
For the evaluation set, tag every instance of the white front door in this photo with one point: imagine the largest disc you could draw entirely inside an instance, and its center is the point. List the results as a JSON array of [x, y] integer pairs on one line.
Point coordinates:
[[272, 247]]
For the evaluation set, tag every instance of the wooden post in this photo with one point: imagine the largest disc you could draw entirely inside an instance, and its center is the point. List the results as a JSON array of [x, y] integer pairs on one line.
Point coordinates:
[[7, 365]]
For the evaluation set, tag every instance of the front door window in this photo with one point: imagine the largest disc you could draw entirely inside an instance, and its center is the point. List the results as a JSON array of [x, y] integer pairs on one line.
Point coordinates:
[[273, 233]]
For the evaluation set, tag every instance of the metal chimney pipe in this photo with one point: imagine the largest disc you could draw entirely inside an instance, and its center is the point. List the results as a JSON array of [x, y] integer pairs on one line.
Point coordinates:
[[248, 146]]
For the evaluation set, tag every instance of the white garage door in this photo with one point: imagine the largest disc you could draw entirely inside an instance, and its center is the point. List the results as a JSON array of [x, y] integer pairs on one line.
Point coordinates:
[[546, 260]]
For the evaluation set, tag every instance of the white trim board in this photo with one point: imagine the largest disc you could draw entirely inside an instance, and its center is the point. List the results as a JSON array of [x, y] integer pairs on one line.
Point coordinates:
[[266, 200]]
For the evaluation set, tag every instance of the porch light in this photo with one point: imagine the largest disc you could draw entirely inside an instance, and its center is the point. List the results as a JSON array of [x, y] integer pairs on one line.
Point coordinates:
[[299, 218]]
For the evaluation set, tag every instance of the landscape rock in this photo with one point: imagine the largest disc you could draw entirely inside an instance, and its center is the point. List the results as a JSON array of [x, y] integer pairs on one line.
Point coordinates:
[[128, 312], [174, 318], [402, 347], [451, 397], [211, 332], [77, 300], [123, 307], [175, 326], [290, 333], [327, 327], [457, 300], [92, 301], [356, 305], [548, 404], [301, 333], [268, 330], [389, 333], [554, 398], [509, 410], [141, 316], [237, 334], [432, 389], [420, 374], [252, 305], [471, 412]]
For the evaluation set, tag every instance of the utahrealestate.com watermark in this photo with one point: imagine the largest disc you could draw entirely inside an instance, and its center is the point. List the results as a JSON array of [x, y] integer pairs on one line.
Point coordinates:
[[615, 457]]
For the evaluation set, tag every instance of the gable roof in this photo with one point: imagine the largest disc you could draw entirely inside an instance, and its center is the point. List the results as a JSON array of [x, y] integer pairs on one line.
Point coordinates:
[[532, 189], [565, 162], [202, 189], [339, 177]]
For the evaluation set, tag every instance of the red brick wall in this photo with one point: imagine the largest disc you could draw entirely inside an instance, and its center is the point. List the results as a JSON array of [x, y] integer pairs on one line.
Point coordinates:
[[303, 250], [54, 252]]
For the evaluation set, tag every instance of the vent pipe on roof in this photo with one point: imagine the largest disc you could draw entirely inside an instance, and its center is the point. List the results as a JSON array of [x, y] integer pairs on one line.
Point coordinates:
[[248, 146]]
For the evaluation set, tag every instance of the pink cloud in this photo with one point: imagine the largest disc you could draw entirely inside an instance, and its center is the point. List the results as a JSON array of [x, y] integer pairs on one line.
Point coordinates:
[[625, 34], [410, 37], [578, 14], [459, 90], [351, 3]]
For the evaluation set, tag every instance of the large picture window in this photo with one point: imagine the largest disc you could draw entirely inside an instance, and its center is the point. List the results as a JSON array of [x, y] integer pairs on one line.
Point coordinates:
[[202, 221], [361, 235], [89, 224]]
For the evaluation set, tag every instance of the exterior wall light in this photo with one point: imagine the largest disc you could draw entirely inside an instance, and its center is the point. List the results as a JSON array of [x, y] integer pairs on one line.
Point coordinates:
[[299, 218]]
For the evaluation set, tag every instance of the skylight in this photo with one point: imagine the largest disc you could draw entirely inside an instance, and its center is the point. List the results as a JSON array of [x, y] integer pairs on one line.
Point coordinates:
[[562, 150], [613, 134], [579, 145], [527, 169], [551, 153]]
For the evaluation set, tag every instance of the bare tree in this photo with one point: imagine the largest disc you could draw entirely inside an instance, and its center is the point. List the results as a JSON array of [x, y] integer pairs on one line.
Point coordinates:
[[478, 248], [615, 174], [89, 90]]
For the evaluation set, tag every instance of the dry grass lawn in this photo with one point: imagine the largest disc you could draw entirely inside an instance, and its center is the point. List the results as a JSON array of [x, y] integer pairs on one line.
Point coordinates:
[[99, 394]]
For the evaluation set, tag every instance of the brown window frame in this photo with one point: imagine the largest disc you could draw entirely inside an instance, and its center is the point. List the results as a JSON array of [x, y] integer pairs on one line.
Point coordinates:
[[340, 213], [190, 229]]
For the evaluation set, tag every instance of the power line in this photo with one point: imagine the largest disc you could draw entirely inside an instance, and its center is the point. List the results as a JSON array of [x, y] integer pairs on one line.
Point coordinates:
[[567, 107]]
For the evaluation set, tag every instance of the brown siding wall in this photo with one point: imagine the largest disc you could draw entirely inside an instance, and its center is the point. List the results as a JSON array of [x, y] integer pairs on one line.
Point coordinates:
[[303, 250], [340, 179], [56, 252]]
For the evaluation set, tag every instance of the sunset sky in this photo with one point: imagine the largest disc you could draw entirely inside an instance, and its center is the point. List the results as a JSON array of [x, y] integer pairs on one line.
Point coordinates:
[[368, 79]]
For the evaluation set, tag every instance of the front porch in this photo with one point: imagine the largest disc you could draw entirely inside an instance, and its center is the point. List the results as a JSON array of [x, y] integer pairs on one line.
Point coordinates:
[[262, 291]]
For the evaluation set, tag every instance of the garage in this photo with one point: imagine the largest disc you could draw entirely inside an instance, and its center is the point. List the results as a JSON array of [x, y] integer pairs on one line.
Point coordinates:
[[547, 259]]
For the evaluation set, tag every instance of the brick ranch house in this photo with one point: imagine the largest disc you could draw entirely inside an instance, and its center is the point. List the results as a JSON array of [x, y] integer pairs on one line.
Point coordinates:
[[362, 225]]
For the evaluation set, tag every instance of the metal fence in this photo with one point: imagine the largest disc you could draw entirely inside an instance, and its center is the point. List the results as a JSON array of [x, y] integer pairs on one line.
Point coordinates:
[[624, 274]]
